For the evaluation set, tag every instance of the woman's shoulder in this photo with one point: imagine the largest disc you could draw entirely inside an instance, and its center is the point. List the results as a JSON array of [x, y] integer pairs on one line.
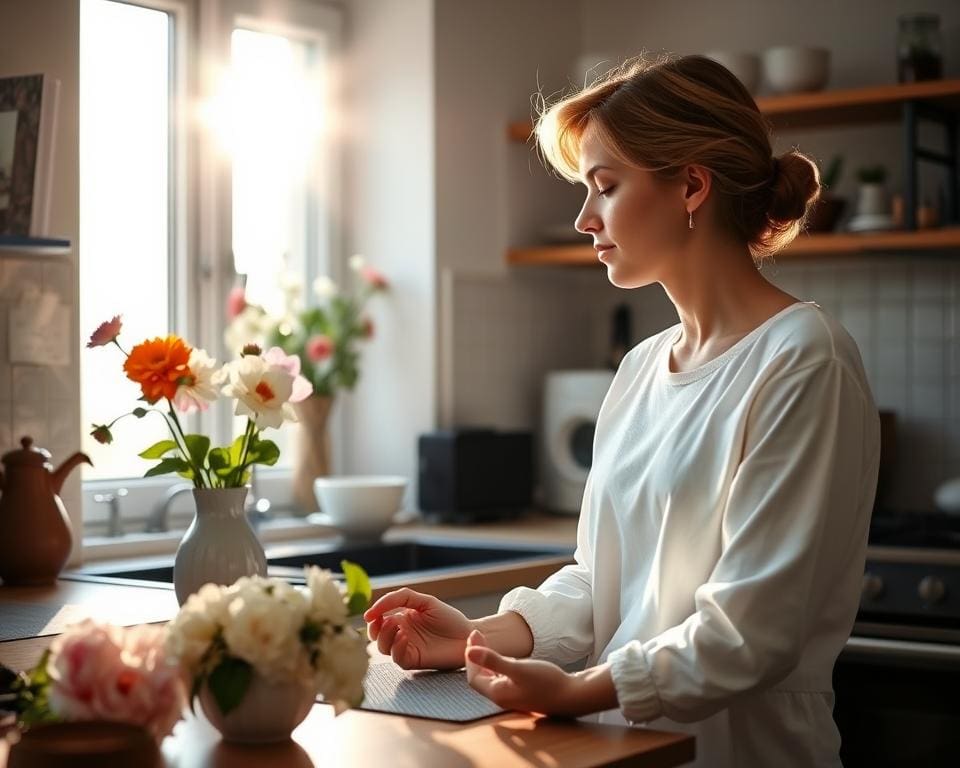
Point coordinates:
[[808, 335]]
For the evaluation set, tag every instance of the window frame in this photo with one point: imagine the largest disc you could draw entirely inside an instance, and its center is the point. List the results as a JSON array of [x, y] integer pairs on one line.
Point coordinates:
[[201, 263]]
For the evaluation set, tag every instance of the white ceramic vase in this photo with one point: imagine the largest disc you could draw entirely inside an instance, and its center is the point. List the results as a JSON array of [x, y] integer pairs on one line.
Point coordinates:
[[220, 546], [267, 712]]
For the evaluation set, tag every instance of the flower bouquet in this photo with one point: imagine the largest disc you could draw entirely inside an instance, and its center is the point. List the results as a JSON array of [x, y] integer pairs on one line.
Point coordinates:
[[258, 652], [323, 337], [220, 546], [187, 379], [100, 672]]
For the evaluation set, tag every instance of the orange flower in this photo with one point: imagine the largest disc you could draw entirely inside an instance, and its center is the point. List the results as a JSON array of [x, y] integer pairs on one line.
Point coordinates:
[[158, 366]]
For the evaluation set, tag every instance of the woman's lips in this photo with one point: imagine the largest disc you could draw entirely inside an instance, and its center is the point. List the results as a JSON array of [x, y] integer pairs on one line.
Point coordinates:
[[602, 250]]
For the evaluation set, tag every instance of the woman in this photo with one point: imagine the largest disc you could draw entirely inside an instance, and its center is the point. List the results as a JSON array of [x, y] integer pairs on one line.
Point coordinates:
[[723, 529]]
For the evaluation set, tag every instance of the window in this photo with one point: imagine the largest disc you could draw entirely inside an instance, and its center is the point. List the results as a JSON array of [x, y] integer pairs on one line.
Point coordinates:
[[143, 172], [127, 211]]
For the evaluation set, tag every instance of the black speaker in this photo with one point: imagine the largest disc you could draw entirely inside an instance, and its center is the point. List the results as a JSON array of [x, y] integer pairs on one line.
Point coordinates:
[[470, 474]]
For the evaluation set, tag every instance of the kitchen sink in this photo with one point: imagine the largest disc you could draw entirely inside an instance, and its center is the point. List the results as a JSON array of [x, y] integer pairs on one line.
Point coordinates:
[[378, 559]]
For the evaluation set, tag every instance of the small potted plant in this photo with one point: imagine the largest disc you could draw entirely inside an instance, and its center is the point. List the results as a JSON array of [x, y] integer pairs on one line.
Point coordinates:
[[257, 653], [830, 206], [873, 205]]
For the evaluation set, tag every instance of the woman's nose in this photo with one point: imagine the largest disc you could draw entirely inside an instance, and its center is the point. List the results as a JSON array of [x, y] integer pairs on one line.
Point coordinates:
[[587, 221]]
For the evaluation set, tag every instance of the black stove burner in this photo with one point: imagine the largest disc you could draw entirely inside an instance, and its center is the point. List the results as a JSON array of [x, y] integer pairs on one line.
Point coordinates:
[[935, 530]]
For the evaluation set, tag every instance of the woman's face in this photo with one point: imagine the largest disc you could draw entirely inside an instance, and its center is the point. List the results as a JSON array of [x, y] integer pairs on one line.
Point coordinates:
[[638, 222]]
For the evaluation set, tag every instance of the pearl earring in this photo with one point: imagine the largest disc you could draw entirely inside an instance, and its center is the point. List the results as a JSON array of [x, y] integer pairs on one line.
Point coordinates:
[[690, 221]]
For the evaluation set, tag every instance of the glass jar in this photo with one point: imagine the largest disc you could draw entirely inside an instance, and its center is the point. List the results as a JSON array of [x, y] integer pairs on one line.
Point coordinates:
[[918, 48]]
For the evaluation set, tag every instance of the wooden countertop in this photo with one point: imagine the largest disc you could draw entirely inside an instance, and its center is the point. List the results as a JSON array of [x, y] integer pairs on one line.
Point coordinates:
[[360, 738]]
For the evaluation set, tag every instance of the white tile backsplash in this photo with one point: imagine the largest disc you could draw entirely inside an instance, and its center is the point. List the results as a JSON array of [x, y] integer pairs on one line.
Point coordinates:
[[509, 330]]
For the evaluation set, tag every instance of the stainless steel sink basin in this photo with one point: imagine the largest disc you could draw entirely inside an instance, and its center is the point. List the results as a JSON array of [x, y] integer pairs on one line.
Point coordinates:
[[378, 559]]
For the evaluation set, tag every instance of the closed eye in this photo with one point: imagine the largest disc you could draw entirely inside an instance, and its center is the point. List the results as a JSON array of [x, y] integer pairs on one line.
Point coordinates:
[[607, 191]]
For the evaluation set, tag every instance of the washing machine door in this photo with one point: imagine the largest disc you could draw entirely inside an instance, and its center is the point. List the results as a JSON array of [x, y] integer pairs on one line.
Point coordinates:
[[571, 404]]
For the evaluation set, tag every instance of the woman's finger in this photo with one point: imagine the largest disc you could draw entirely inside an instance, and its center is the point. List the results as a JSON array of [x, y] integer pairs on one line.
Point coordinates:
[[400, 598], [399, 652], [385, 641], [374, 627], [490, 659]]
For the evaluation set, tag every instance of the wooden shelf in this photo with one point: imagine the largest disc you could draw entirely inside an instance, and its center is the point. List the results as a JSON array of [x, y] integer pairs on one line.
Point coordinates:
[[807, 246], [851, 106]]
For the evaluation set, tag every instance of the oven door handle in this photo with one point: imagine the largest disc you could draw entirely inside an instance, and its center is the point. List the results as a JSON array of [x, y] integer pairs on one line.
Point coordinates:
[[904, 650]]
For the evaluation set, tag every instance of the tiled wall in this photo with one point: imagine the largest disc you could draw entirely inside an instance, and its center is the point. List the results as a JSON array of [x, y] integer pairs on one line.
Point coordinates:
[[904, 312], [37, 400]]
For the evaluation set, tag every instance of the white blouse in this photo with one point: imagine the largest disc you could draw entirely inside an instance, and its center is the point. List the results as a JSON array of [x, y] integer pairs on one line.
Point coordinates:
[[721, 541]]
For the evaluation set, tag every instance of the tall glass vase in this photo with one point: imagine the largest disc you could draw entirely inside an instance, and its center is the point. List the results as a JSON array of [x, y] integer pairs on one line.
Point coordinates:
[[312, 451], [219, 546]]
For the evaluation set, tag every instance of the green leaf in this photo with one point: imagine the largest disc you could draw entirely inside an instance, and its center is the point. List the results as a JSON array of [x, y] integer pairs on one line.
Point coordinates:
[[219, 460], [157, 450], [228, 682], [359, 592], [140, 412], [171, 464], [197, 445], [264, 452], [236, 451]]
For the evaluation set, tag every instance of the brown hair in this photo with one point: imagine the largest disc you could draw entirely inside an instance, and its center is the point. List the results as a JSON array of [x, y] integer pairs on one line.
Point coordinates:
[[664, 113]]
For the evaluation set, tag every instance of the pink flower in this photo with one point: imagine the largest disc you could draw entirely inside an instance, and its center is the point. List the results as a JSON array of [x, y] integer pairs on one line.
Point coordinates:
[[366, 327], [103, 672], [374, 277], [236, 302], [106, 333], [276, 357], [319, 347]]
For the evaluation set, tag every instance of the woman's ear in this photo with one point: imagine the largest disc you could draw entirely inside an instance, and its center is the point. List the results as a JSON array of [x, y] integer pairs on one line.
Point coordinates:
[[697, 182]]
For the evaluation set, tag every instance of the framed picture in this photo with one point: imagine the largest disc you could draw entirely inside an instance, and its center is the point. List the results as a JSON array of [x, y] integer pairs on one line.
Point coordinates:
[[28, 110]]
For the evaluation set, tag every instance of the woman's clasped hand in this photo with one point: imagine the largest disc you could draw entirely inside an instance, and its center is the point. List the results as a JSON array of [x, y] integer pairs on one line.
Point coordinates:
[[419, 631]]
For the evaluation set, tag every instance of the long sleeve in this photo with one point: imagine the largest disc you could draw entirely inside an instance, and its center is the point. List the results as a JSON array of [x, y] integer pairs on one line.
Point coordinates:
[[793, 529], [560, 611]]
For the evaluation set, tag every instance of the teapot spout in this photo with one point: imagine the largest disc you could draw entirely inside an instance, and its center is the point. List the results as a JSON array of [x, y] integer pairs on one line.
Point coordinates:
[[60, 473]]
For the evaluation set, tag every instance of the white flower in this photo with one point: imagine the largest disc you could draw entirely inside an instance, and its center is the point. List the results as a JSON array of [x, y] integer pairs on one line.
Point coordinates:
[[326, 599], [263, 391], [200, 390], [341, 667], [264, 628], [192, 630], [324, 288], [357, 262]]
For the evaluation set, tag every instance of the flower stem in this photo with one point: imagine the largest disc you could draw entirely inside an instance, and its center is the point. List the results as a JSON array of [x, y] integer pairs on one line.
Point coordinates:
[[180, 438], [247, 436]]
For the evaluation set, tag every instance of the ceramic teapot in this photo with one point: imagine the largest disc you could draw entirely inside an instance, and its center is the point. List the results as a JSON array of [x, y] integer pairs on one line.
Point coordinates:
[[35, 532]]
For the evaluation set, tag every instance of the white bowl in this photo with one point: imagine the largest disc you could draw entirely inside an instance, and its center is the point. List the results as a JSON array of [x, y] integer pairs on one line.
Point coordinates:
[[744, 66], [360, 505], [795, 68]]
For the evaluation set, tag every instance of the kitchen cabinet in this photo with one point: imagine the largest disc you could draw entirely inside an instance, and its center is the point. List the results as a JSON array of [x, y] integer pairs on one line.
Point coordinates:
[[937, 100]]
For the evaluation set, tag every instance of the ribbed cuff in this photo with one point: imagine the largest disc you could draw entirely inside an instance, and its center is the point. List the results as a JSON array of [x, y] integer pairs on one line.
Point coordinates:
[[532, 606], [633, 681]]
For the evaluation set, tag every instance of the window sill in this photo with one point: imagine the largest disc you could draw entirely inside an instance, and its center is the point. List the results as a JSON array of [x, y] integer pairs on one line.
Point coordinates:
[[133, 545]]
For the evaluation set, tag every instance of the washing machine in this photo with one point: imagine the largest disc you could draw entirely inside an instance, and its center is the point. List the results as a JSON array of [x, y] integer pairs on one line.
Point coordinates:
[[571, 403]]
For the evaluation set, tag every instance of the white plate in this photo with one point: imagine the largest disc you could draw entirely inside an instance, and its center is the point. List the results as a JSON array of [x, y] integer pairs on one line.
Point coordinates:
[[402, 517]]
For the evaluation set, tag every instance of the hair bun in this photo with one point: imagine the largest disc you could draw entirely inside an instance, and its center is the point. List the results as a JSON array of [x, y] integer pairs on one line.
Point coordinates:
[[795, 188]]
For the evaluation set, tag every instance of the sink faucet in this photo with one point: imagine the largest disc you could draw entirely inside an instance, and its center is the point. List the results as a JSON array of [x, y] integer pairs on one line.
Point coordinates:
[[114, 527], [157, 522]]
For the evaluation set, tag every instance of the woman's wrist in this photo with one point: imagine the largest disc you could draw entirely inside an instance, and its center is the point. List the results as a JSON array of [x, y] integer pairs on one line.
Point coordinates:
[[507, 633], [591, 690]]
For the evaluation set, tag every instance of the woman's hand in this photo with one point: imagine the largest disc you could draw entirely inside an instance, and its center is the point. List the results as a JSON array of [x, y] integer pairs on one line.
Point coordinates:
[[536, 686], [418, 631]]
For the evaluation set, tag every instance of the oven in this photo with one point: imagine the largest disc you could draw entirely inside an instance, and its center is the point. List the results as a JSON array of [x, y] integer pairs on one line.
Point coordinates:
[[897, 682]]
